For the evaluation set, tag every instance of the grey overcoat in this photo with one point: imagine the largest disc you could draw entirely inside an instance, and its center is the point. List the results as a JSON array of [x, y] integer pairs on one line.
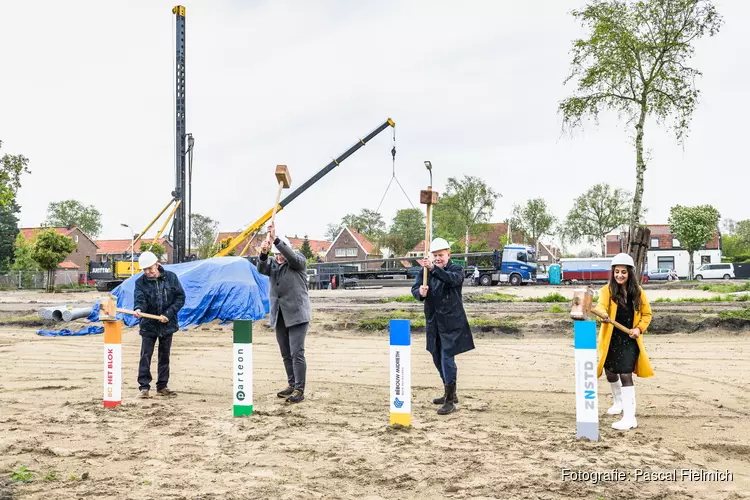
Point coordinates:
[[288, 286]]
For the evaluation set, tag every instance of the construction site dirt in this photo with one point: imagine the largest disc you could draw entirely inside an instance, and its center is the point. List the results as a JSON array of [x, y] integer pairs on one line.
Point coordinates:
[[512, 437]]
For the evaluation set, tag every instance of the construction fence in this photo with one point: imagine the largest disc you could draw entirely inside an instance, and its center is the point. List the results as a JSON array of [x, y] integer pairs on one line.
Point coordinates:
[[35, 280]]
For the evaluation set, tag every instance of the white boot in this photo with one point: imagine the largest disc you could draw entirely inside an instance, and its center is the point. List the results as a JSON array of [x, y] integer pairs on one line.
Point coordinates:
[[628, 410], [616, 407]]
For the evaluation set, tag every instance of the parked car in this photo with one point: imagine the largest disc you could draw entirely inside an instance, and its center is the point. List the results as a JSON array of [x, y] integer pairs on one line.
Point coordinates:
[[662, 274], [715, 272]]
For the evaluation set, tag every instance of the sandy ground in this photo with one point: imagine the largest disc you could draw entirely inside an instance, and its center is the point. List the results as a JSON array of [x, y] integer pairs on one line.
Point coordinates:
[[512, 437]]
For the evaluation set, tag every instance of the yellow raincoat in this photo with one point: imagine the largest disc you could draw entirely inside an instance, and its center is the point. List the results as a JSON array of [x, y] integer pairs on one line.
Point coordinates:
[[641, 319]]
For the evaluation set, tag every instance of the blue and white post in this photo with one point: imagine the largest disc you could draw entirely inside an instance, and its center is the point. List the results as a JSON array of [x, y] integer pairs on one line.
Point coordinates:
[[400, 372], [587, 408]]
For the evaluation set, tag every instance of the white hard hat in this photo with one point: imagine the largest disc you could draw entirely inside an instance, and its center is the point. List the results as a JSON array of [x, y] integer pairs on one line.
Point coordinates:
[[439, 244], [285, 240], [622, 259], [147, 259]]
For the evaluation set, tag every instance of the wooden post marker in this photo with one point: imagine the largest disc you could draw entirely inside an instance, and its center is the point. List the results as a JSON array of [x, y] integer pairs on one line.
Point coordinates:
[[400, 335], [112, 356], [243, 367], [584, 341]]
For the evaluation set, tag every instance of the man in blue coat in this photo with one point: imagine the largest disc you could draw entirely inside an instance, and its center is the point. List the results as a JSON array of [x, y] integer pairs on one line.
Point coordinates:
[[448, 331]]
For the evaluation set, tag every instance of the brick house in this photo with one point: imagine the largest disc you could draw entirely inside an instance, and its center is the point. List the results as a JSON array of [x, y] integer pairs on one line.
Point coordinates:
[[77, 262], [548, 253], [665, 252], [119, 249], [318, 247], [351, 245]]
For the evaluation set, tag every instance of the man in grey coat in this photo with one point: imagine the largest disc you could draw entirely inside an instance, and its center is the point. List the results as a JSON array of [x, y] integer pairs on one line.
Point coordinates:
[[290, 310]]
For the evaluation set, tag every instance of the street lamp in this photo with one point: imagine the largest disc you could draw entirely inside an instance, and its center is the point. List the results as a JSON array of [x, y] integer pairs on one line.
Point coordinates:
[[132, 249]]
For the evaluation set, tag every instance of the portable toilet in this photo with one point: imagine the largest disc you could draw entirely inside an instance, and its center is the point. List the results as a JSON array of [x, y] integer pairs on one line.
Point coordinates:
[[555, 274]]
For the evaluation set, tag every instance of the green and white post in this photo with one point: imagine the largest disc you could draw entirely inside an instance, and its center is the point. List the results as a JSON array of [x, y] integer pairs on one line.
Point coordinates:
[[243, 367]]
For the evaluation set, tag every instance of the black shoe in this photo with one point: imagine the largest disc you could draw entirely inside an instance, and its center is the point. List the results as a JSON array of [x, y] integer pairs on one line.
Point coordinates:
[[286, 392], [441, 400], [448, 406], [297, 397]]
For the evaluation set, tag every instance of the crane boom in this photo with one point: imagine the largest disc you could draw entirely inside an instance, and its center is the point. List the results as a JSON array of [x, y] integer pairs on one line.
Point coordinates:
[[255, 226]]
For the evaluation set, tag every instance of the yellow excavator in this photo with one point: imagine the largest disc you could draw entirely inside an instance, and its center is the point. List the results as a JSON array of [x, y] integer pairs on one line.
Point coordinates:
[[253, 228]]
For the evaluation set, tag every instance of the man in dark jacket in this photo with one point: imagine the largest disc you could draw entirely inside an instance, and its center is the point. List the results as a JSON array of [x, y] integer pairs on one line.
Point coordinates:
[[448, 331], [157, 292], [290, 311]]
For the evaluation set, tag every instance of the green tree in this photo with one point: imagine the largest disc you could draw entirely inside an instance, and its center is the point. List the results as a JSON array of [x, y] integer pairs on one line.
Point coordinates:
[[154, 248], [635, 61], [49, 250], [8, 234], [533, 219], [69, 213], [409, 227], [332, 230], [694, 227], [306, 250], [11, 169], [22, 256], [596, 213], [466, 204], [203, 234]]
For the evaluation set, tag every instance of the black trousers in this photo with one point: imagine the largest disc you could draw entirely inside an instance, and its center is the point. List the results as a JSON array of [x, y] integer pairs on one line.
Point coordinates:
[[291, 341], [162, 362]]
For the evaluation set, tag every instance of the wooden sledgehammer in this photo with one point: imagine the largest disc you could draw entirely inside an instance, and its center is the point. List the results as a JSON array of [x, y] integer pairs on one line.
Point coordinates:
[[581, 309], [108, 310]]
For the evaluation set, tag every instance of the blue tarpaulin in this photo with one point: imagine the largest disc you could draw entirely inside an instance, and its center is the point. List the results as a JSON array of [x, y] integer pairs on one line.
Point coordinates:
[[86, 330], [224, 288]]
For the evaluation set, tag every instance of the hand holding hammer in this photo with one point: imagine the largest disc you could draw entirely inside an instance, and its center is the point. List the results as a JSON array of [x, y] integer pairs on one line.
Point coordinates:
[[582, 301]]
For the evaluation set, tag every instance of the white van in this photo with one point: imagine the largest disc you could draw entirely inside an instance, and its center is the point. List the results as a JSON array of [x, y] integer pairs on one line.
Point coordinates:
[[715, 272]]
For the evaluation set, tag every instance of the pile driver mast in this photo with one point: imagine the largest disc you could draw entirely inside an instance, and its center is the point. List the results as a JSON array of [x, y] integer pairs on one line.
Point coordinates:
[[179, 230]]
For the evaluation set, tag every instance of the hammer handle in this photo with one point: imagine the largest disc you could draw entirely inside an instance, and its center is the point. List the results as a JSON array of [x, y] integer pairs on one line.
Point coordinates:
[[615, 323], [427, 238], [276, 205], [145, 315]]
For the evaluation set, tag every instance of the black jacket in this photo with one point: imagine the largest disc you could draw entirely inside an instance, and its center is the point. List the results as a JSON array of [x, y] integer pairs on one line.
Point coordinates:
[[444, 310], [162, 295]]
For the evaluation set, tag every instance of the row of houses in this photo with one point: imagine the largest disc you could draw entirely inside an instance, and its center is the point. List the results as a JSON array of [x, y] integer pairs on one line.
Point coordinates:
[[666, 252]]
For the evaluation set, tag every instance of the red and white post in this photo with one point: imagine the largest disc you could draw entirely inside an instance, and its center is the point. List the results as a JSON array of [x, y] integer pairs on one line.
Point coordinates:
[[112, 363]]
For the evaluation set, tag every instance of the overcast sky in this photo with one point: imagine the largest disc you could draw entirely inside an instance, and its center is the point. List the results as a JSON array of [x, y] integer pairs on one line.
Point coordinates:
[[86, 94]]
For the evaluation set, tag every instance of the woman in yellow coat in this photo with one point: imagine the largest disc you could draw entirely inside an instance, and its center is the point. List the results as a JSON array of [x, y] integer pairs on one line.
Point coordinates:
[[620, 354]]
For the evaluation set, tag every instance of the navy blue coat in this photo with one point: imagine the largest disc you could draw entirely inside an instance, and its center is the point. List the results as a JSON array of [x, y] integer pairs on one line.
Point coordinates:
[[444, 310], [162, 295]]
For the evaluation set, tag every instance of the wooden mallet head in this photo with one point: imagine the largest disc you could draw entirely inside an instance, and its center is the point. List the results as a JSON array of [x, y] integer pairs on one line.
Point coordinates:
[[107, 309], [428, 197], [582, 301], [283, 177]]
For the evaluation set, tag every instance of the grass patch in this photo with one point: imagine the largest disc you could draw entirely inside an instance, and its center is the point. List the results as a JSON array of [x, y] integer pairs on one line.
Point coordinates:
[[494, 297], [381, 322], [556, 309], [550, 298], [28, 320], [743, 313], [715, 298], [400, 298], [726, 287]]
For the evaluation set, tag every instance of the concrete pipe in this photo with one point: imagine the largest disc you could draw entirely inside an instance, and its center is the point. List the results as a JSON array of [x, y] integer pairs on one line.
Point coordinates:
[[57, 314], [77, 313], [46, 312]]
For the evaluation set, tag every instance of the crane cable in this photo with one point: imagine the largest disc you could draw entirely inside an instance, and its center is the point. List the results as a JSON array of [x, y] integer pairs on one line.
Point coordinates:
[[393, 177]]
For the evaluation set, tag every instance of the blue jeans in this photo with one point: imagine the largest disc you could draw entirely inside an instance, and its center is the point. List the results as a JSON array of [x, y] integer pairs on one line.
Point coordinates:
[[445, 364]]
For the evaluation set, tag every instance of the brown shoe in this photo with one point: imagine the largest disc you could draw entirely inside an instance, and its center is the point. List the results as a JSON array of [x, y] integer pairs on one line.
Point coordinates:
[[144, 394], [166, 392]]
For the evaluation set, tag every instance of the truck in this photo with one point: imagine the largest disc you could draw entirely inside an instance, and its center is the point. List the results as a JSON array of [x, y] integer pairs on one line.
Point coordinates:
[[515, 264]]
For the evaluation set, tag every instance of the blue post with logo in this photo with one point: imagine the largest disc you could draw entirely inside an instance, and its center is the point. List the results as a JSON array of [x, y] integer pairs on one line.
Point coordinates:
[[242, 365], [400, 354], [587, 408]]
